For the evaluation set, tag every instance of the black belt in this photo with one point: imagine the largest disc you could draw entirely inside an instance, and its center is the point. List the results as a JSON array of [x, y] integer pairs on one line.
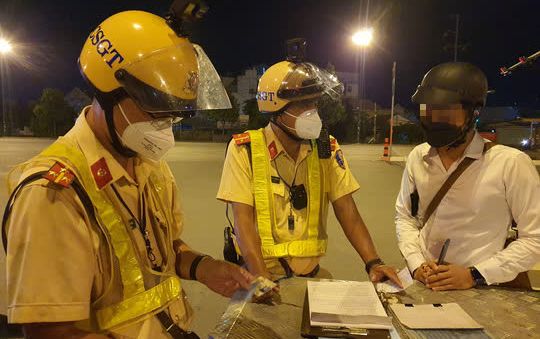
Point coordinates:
[[174, 330], [289, 272]]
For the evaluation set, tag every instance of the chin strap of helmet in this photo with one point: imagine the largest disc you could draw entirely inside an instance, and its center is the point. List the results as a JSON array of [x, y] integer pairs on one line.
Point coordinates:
[[273, 120], [469, 125], [107, 102]]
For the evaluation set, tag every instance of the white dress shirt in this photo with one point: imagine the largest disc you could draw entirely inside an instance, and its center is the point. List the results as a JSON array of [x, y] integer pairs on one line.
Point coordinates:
[[475, 214]]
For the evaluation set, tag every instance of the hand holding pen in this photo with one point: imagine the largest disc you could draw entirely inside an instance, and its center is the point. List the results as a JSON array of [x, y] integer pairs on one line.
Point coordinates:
[[430, 267], [449, 276]]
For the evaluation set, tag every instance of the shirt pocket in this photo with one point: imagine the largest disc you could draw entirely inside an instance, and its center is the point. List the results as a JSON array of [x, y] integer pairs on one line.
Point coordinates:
[[279, 189]]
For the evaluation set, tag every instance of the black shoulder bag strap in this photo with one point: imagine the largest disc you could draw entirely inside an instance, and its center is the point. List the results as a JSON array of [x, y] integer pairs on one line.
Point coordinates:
[[16, 328], [229, 250], [465, 163], [81, 193]]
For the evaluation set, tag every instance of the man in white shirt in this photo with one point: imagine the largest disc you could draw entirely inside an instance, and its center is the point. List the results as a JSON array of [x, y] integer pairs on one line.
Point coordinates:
[[501, 185]]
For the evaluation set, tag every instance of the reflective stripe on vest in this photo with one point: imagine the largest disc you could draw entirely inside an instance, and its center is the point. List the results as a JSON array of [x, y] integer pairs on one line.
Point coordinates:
[[266, 214], [137, 301]]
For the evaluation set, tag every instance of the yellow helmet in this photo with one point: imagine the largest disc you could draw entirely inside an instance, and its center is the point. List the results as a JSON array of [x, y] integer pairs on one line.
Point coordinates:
[[286, 82], [137, 52]]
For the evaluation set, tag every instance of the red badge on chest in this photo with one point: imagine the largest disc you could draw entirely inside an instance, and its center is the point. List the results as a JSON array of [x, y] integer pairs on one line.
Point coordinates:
[[101, 173], [273, 150]]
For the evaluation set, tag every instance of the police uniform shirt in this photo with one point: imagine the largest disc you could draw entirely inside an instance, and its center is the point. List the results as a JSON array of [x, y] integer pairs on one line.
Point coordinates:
[[58, 263], [475, 214], [236, 186]]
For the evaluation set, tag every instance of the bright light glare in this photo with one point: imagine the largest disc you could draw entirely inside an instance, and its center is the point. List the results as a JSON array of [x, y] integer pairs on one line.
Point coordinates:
[[524, 142], [363, 37], [5, 46]]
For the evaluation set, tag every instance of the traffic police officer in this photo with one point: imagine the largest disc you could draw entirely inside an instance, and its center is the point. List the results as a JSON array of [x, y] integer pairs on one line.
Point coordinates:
[[93, 235], [280, 186]]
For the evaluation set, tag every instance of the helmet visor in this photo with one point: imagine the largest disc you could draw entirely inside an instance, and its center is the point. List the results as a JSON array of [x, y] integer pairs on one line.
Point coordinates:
[[174, 80], [309, 81]]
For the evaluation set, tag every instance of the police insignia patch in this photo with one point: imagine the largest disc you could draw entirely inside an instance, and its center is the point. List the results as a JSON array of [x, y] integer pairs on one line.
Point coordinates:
[[241, 139], [273, 150], [101, 173], [333, 143], [60, 175], [192, 83], [339, 159]]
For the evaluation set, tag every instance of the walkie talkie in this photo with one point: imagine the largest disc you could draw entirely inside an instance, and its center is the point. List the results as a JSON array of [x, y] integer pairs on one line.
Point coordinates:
[[323, 144]]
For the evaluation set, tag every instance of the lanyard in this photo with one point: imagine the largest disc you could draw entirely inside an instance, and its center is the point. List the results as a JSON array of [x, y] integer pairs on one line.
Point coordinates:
[[142, 227], [297, 196]]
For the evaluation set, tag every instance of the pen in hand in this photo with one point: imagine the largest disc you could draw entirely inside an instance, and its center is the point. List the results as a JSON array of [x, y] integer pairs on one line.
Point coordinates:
[[442, 255]]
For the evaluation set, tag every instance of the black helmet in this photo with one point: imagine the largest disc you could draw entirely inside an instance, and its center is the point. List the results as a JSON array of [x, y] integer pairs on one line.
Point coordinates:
[[453, 83]]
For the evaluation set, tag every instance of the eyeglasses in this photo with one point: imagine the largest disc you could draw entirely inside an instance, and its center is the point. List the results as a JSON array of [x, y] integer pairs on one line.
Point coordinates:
[[163, 123]]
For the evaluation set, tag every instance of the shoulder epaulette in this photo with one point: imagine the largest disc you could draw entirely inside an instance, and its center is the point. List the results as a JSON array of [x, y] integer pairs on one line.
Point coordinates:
[[60, 175], [333, 143], [241, 139]]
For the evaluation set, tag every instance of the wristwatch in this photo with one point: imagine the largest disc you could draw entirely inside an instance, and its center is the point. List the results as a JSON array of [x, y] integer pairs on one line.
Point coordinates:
[[478, 278], [372, 263]]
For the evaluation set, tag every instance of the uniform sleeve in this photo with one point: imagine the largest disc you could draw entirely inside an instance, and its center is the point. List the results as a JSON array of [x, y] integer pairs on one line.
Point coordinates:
[[236, 178], [522, 194], [50, 261], [176, 202], [407, 226], [340, 179]]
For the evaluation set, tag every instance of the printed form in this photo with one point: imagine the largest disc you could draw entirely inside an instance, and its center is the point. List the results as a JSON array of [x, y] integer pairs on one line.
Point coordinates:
[[350, 304]]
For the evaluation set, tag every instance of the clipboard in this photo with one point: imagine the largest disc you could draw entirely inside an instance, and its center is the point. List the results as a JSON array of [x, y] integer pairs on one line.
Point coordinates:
[[314, 332]]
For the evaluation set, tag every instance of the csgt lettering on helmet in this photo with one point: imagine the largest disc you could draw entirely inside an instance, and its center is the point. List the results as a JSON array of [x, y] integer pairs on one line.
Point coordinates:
[[265, 96], [105, 47]]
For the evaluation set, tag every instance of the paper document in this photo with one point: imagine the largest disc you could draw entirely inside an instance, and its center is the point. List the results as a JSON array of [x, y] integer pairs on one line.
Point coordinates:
[[389, 287], [434, 316], [350, 304]]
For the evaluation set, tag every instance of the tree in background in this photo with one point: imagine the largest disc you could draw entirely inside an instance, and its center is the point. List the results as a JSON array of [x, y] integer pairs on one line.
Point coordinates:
[[21, 114], [224, 115], [52, 116], [77, 99], [256, 118], [345, 129], [331, 111]]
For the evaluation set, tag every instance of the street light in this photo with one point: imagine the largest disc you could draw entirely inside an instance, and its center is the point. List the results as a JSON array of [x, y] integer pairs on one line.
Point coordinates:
[[363, 37], [5, 49], [5, 46]]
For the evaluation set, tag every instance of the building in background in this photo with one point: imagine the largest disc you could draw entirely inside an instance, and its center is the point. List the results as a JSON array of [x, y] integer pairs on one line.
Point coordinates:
[[244, 86]]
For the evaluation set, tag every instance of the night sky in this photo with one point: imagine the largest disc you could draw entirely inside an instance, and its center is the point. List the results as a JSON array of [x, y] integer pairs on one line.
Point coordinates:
[[237, 34]]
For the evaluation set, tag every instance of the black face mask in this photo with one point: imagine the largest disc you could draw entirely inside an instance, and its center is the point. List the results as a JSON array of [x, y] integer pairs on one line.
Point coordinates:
[[441, 134]]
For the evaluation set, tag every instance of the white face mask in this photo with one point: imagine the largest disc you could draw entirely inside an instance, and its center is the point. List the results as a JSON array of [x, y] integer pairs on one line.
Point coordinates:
[[307, 125], [150, 139]]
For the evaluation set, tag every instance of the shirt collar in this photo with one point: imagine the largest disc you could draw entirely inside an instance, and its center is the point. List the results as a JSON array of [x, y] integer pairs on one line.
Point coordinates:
[[474, 150], [275, 147], [104, 167]]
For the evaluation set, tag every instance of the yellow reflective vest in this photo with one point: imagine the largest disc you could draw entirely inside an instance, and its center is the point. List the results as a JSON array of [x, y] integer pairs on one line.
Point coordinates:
[[312, 246], [138, 300]]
